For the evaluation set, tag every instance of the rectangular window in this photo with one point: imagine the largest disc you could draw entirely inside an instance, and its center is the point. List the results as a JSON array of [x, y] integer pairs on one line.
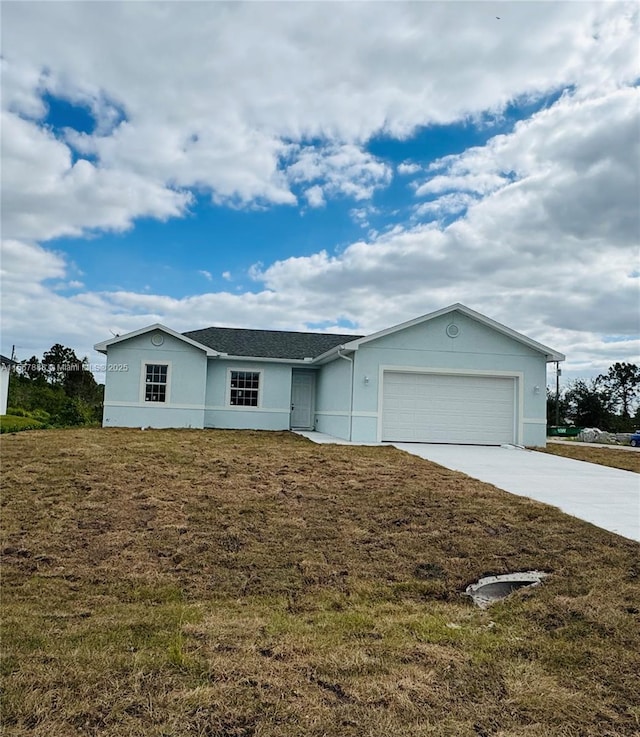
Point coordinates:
[[155, 386], [245, 387]]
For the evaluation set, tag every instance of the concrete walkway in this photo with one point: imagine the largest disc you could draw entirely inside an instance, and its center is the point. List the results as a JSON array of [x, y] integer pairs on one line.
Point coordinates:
[[606, 497]]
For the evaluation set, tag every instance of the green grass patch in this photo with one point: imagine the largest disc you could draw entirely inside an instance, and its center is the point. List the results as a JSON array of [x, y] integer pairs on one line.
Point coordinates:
[[13, 423]]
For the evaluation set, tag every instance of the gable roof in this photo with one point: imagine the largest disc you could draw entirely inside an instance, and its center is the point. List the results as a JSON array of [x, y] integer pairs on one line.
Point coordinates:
[[549, 353], [320, 347], [6, 361], [281, 344], [102, 347]]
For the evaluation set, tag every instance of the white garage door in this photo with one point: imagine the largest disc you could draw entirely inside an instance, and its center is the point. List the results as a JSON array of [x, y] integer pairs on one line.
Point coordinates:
[[448, 408]]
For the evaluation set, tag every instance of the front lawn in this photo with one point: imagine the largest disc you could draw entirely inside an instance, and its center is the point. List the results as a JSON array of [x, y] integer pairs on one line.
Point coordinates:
[[627, 460], [245, 584]]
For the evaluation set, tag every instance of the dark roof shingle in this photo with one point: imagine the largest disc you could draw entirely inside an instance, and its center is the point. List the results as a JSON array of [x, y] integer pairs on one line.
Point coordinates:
[[268, 343]]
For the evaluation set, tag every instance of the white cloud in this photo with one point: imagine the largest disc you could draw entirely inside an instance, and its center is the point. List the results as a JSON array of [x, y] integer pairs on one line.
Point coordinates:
[[207, 274], [73, 284], [46, 194], [551, 229], [408, 167], [203, 113], [343, 170], [21, 84], [481, 183], [315, 196], [233, 163], [573, 166], [361, 216], [20, 260], [448, 204]]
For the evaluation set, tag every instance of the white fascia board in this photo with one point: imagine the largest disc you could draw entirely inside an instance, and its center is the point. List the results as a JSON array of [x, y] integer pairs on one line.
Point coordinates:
[[102, 347], [550, 354]]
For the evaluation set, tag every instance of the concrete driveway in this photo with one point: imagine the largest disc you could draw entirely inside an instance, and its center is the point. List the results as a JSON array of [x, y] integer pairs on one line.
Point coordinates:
[[606, 497]]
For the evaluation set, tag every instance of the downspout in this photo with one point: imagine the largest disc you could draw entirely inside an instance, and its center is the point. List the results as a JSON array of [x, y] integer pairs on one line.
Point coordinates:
[[346, 358]]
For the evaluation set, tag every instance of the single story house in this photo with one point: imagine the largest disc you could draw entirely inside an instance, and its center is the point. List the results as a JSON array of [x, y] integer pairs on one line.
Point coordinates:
[[5, 372], [452, 376]]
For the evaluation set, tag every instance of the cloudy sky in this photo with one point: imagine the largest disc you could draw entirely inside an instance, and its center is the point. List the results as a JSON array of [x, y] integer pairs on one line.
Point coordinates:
[[338, 166]]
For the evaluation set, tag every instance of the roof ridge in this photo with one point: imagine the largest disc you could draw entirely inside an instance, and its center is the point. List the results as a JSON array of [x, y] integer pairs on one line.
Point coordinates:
[[271, 330]]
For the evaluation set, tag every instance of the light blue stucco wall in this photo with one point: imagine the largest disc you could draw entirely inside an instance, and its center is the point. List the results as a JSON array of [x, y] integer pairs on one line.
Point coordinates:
[[198, 389], [274, 412], [124, 404], [333, 398], [477, 349]]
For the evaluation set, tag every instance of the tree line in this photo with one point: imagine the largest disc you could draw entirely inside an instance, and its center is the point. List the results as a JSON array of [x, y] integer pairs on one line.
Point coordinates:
[[608, 402], [58, 389]]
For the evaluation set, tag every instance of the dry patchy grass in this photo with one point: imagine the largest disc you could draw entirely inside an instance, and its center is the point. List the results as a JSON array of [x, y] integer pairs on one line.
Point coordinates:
[[244, 584], [627, 460]]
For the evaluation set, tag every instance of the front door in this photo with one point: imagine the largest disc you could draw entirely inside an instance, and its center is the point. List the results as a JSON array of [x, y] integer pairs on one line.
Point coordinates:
[[302, 391]]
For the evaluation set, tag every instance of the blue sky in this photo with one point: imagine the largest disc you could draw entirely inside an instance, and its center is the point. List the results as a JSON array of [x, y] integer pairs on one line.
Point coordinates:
[[215, 245], [334, 166]]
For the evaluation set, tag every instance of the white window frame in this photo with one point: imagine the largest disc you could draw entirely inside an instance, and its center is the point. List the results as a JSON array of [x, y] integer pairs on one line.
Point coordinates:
[[244, 370], [143, 383]]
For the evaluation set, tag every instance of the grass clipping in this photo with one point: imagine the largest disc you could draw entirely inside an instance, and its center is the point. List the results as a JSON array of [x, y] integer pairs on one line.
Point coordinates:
[[245, 584]]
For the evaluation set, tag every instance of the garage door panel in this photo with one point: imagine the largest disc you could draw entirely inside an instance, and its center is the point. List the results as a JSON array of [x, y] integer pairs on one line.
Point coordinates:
[[448, 408]]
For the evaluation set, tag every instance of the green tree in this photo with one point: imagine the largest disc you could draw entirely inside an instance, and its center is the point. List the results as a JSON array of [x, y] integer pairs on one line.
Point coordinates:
[[59, 362], [32, 369], [80, 384], [589, 403], [623, 383], [59, 385], [563, 409]]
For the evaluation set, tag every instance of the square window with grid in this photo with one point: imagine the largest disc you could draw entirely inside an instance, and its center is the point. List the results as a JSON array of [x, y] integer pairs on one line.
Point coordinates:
[[245, 387], [155, 388]]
